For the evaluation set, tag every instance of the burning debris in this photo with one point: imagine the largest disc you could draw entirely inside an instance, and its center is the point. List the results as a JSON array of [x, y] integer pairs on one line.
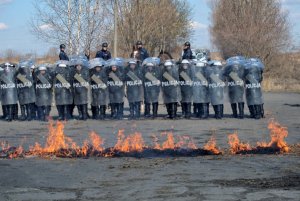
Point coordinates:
[[133, 145]]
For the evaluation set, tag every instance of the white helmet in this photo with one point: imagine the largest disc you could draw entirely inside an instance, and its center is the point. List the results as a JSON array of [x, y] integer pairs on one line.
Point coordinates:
[[200, 64], [185, 61], [42, 68], [168, 63], [149, 64]]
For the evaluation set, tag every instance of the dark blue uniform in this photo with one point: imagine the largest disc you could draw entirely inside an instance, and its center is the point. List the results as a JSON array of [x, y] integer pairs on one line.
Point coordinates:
[[63, 56], [104, 54], [187, 54]]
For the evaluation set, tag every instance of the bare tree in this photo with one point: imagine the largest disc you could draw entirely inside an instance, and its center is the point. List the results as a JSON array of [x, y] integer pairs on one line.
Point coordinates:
[[77, 23], [159, 24], [250, 27]]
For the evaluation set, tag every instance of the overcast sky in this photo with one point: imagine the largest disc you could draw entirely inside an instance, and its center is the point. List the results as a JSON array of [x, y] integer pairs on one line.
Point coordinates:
[[15, 33]]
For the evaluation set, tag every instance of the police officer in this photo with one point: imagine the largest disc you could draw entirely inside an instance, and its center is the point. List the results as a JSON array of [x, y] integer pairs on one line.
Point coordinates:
[[43, 84], [26, 91], [170, 88], [81, 85], [187, 52], [152, 84], [99, 89], [115, 84], [104, 53], [9, 96], [186, 74], [134, 88], [63, 89], [141, 53], [62, 54], [216, 83]]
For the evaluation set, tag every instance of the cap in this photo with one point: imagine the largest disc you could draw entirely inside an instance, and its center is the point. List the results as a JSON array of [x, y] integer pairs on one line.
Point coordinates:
[[139, 43]]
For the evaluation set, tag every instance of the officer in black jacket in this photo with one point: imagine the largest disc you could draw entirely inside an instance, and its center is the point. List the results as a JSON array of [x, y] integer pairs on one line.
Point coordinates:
[[140, 53], [62, 54], [187, 52], [104, 53]]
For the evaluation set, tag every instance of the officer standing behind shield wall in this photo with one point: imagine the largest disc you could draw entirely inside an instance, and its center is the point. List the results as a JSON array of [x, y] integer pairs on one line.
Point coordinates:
[[104, 53], [98, 80]]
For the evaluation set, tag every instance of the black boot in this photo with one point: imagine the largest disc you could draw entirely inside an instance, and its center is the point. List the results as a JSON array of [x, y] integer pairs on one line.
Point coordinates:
[[257, 111], [188, 110], [28, 112], [222, 111], [195, 109], [241, 110], [41, 113], [147, 110], [4, 110], [204, 108], [174, 110], [60, 111], [15, 111], [251, 111], [217, 109], [137, 109], [66, 112], [102, 111], [80, 115], [131, 110], [23, 112], [33, 107], [97, 111], [120, 111], [94, 115], [9, 112], [154, 109], [183, 109], [207, 107], [168, 106], [84, 110], [234, 110], [262, 111], [113, 107], [47, 112]]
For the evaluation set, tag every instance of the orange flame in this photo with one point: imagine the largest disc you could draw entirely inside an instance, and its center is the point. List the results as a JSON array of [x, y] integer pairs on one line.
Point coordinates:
[[170, 142], [211, 145], [277, 133], [236, 145], [131, 143]]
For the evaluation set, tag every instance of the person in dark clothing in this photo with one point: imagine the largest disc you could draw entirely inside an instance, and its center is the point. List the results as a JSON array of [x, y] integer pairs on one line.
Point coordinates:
[[104, 53], [140, 53], [187, 52], [62, 54]]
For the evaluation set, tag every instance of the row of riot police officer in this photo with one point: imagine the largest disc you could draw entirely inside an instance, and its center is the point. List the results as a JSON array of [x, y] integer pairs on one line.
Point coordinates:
[[198, 82]]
